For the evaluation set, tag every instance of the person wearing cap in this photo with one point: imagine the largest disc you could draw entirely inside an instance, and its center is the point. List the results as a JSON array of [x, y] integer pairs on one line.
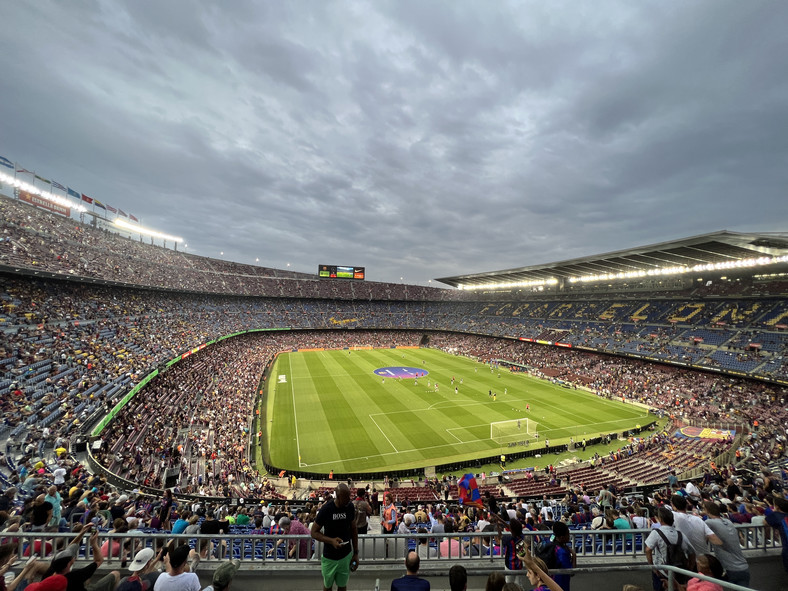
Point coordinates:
[[118, 508], [293, 528], [143, 574], [53, 583], [177, 577], [78, 578], [223, 576]]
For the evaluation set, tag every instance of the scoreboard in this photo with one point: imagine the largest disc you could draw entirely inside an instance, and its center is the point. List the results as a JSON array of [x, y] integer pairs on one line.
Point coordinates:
[[338, 272]]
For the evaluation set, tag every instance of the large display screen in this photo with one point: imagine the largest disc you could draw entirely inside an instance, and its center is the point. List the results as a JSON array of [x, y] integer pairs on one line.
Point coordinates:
[[339, 272]]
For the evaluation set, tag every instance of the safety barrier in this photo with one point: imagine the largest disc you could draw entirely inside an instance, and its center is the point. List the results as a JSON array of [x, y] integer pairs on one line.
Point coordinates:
[[255, 550]]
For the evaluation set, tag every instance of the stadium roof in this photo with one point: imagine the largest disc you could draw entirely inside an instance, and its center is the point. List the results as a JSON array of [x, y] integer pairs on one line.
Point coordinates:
[[722, 247]]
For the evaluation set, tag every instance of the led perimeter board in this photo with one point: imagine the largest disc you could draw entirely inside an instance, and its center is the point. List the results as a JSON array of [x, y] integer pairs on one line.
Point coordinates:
[[337, 272]]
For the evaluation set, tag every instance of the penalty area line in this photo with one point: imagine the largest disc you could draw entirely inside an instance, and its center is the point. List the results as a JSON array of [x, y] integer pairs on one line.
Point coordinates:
[[394, 447]]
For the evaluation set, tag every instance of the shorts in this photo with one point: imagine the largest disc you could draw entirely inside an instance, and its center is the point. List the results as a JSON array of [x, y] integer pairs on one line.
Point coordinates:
[[335, 571]]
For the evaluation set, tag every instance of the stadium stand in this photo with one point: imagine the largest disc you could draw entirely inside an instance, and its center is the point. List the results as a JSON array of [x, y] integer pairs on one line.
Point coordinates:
[[85, 314]]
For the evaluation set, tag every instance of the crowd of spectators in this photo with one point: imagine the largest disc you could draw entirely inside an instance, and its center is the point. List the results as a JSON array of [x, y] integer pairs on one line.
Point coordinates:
[[209, 400], [36, 239], [434, 531], [70, 351]]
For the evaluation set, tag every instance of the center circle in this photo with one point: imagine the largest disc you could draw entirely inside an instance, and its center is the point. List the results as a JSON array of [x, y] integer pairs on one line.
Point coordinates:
[[400, 371]]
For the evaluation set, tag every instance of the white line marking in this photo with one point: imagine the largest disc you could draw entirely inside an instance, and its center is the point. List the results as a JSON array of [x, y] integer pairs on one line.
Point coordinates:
[[295, 416], [453, 435], [384, 434]]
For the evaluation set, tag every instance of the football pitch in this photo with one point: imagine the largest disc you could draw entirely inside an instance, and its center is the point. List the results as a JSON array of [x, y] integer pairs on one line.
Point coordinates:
[[329, 410]]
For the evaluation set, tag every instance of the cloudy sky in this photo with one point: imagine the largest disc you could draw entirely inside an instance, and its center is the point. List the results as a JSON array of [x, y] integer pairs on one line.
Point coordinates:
[[420, 139]]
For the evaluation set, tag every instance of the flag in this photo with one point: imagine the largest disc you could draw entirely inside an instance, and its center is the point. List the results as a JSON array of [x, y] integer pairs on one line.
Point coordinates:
[[469, 491], [123, 213], [6, 162], [23, 170], [97, 203], [87, 199], [42, 179], [112, 209], [132, 217], [57, 185], [73, 193]]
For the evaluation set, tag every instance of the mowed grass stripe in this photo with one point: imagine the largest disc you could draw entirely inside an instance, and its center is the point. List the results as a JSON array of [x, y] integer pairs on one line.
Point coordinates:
[[423, 426], [358, 383], [282, 450], [407, 429], [313, 401], [339, 399]]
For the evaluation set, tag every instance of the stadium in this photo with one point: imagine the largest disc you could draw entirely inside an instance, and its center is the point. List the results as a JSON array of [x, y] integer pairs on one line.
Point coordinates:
[[236, 384]]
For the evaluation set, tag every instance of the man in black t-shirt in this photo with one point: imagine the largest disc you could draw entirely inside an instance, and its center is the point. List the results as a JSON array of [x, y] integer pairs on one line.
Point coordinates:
[[337, 520], [78, 578]]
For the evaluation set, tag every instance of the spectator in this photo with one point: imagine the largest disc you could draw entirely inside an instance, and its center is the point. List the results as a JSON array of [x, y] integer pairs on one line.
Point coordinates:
[[450, 546], [729, 553], [513, 542], [777, 517], [78, 579], [223, 576], [411, 579], [177, 576], [424, 548], [657, 547], [458, 578], [295, 548], [495, 581], [51, 583], [538, 575], [695, 530], [337, 520], [711, 567], [143, 572], [564, 554], [363, 511], [389, 518]]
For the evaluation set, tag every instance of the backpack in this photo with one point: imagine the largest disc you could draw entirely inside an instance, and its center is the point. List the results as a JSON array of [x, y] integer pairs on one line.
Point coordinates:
[[547, 551], [676, 556]]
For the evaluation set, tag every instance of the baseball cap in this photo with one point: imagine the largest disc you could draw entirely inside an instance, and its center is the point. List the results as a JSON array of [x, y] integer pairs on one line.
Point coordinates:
[[69, 552], [53, 583], [141, 559], [223, 575]]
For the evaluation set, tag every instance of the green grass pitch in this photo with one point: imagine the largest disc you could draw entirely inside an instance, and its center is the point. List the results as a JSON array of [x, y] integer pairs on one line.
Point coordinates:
[[327, 410]]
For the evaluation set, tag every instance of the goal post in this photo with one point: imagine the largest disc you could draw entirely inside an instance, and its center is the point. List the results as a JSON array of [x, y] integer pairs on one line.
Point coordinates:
[[512, 430]]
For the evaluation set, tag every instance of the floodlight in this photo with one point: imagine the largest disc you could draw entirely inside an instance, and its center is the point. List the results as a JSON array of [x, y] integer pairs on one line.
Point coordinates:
[[145, 231], [28, 188]]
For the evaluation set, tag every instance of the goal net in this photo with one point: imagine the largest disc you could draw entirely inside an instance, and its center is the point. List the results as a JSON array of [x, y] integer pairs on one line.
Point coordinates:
[[513, 430]]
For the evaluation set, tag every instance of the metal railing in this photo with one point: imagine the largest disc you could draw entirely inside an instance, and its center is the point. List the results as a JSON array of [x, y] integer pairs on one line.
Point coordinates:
[[254, 551], [671, 571]]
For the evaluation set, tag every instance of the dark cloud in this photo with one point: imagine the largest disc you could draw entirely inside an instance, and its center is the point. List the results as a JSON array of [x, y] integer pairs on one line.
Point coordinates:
[[420, 139]]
